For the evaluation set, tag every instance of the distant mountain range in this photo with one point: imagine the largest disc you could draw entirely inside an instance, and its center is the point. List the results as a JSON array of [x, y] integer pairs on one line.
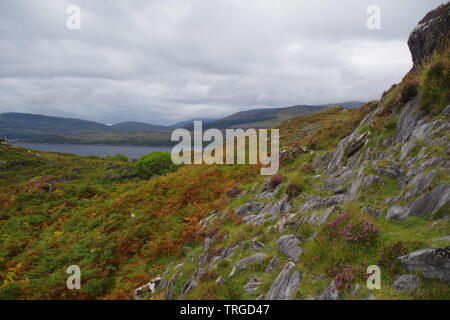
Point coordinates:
[[36, 127]]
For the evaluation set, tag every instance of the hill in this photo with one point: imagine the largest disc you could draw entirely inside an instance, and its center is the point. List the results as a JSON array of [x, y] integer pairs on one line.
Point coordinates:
[[356, 188], [40, 128], [23, 125], [134, 127]]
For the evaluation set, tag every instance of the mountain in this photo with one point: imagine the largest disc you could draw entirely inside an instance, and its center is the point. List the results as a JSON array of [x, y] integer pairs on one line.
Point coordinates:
[[40, 128], [134, 127], [362, 197], [270, 117], [190, 122], [24, 125]]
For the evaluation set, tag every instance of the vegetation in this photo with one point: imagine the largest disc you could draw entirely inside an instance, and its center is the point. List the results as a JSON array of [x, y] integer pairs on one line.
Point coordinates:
[[155, 163]]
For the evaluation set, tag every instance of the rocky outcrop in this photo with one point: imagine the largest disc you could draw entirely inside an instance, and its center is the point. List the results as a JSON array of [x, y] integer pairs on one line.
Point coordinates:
[[242, 264], [252, 285], [429, 33], [426, 204], [288, 245], [330, 293], [432, 263], [406, 283], [285, 285]]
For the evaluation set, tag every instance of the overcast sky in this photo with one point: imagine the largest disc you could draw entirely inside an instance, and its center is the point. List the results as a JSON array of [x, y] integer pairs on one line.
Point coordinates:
[[162, 61]]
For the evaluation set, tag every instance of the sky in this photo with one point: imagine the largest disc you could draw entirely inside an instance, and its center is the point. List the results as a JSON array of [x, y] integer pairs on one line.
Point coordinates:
[[164, 61]]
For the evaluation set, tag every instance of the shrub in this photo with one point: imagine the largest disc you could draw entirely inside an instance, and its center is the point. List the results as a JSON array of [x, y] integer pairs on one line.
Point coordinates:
[[117, 157], [346, 276], [293, 190], [434, 84], [155, 163], [360, 231]]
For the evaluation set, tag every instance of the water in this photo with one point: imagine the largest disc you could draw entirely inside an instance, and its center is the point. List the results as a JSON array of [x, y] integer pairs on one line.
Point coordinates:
[[132, 152]]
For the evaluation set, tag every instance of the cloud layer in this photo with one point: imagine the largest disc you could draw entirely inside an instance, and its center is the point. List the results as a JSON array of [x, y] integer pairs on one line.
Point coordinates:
[[162, 61]]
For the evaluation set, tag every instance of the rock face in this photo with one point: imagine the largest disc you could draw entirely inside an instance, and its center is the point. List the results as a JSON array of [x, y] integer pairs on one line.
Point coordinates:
[[428, 33], [406, 283], [330, 293], [285, 285], [254, 259], [288, 244], [252, 284], [426, 204], [432, 263]]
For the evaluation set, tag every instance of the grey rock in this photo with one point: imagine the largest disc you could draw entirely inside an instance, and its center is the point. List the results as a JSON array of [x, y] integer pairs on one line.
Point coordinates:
[[3, 165], [272, 265], [285, 285], [219, 280], [397, 213], [288, 244], [330, 293], [429, 203], [188, 286], [252, 285], [254, 259], [418, 184], [406, 149], [432, 263], [376, 213], [446, 111], [427, 35], [369, 181], [410, 117], [248, 208], [446, 238], [426, 204], [391, 171], [256, 245], [406, 283]]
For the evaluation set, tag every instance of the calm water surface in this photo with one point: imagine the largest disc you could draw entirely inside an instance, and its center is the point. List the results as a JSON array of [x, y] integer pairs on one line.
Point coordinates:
[[132, 152]]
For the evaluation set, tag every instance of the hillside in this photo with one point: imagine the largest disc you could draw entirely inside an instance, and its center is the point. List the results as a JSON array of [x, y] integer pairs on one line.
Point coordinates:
[[134, 127], [39, 128], [356, 188], [23, 125]]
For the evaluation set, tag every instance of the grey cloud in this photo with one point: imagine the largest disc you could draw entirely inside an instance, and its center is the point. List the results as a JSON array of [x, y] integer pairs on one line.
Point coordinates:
[[163, 61]]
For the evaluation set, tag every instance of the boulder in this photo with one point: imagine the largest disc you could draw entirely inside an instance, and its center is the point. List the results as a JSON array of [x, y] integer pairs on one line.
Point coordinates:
[[406, 149], [429, 203], [428, 34], [148, 288], [252, 284], [392, 170], [406, 283], [418, 184], [426, 204], [285, 284], [330, 293], [288, 244], [248, 208], [369, 181], [256, 245], [242, 264], [272, 265], [432, 263]]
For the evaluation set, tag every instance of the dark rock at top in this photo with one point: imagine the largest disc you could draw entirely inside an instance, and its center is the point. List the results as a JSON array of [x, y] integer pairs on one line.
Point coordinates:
[[429, 33]]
